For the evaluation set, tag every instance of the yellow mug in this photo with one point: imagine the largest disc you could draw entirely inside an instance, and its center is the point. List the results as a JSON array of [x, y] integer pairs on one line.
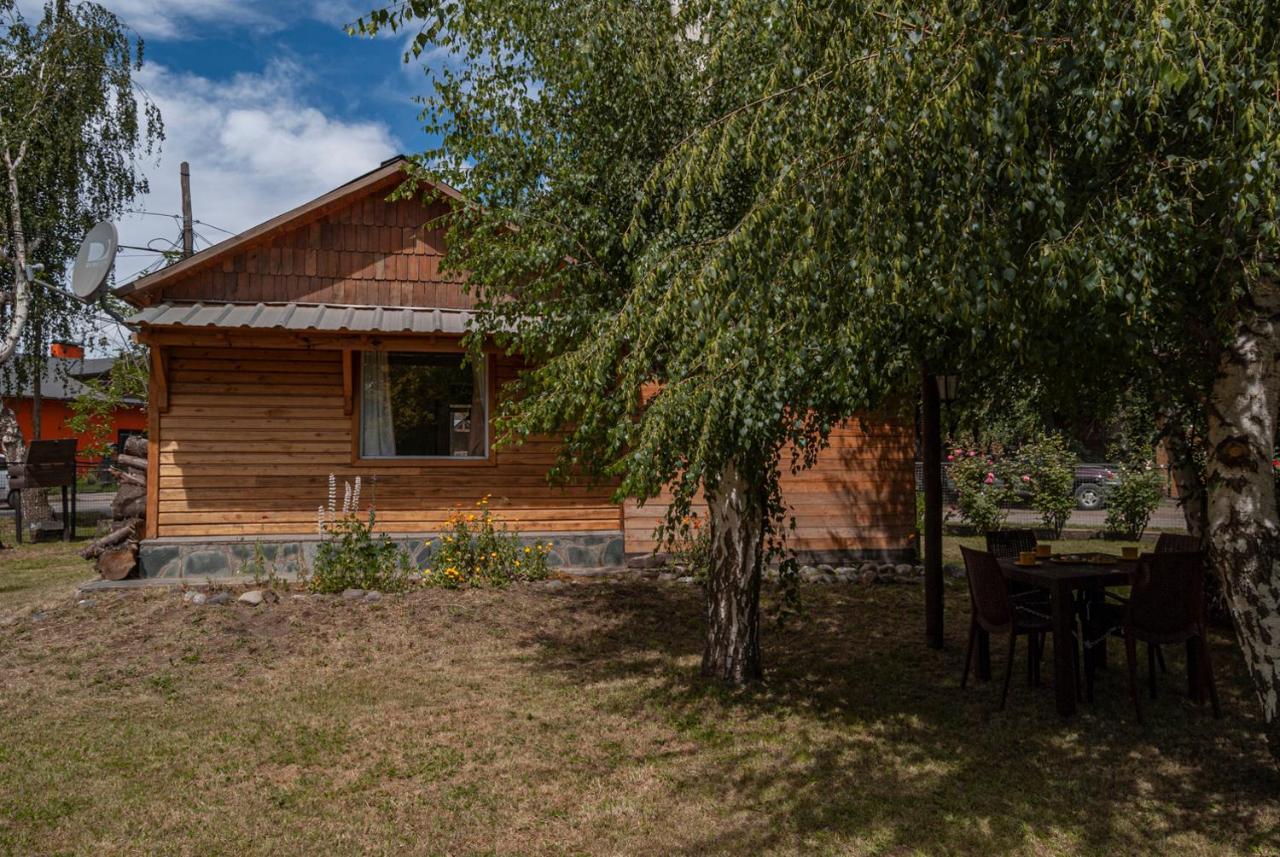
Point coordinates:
[[1042, 551], [1027, 557], [1129, 552]]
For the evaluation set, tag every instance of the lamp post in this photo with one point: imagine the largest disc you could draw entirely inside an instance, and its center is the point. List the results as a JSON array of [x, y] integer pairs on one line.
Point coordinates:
[[935, 391], [948, 388]]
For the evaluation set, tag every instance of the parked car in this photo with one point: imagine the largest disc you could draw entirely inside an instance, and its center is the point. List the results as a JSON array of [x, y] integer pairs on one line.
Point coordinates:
[[1094, 482], [10, 496]]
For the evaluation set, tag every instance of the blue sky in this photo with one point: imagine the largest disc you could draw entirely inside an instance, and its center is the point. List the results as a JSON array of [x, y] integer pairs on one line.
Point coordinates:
[[270, 102]]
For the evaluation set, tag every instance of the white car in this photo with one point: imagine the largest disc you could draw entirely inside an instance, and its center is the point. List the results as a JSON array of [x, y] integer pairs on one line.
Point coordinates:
[[11, 497]]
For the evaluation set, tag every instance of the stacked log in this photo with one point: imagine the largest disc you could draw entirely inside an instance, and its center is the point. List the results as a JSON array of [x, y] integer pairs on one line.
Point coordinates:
[[116, 552]]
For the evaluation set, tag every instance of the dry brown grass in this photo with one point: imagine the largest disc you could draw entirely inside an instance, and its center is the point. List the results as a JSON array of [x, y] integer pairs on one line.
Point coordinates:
[[571, 721]]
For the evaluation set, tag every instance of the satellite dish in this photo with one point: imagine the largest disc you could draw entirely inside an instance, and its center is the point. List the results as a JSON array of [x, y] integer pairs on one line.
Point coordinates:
[[94, 261]]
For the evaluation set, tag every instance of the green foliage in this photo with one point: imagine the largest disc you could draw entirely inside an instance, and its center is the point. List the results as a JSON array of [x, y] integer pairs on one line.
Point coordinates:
[[1046, 469], [475, 551], [983, 492], [559, 119], [350, 555], [689, 545], [256, 567], [93, 409], [73, 125], [1133, 500]]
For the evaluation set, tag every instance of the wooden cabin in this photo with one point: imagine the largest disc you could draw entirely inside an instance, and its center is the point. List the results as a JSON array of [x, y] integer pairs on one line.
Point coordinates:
[[327, 341]]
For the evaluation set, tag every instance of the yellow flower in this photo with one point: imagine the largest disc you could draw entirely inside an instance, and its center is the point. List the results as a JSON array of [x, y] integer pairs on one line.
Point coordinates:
[[528, 550]]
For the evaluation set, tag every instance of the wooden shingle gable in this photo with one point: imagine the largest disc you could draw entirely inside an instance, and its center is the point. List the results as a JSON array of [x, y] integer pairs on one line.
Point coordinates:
[[351, 246]]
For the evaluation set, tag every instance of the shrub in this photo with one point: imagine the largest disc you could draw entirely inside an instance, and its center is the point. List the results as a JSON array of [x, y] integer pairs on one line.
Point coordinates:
[[983, 493], [1048, 474], [1133, 500], [690, 546], [476, 552], [350, 556]]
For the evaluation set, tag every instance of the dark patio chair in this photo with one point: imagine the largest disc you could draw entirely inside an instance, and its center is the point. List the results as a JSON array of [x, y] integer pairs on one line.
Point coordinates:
[[1177, 543], [1166, 605], [995, 612], [1007, 544]]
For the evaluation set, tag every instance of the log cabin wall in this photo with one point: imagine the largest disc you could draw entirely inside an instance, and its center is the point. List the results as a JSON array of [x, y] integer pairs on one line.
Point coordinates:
[[857, 500], [251, 435]]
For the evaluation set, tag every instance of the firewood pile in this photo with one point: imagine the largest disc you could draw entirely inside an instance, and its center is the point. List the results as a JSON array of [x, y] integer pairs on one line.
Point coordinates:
[[116, 551]]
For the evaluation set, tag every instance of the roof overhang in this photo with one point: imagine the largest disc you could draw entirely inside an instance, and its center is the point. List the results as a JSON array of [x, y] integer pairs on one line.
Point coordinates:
[[298, 317]]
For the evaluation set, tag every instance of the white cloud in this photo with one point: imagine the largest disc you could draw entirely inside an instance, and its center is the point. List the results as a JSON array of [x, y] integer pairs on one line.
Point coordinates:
[[185, 19], [256, 146]]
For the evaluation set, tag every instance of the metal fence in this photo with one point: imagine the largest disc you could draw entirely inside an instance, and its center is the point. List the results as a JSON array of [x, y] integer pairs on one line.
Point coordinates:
[[1092, 484]]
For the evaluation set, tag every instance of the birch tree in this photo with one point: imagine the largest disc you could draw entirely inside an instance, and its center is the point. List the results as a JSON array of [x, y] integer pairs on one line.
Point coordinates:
[[654, 369], [72, 126], [1083, 189]]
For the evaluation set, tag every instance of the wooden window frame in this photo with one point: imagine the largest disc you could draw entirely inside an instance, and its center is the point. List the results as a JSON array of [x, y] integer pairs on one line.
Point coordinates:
[[351, 360]]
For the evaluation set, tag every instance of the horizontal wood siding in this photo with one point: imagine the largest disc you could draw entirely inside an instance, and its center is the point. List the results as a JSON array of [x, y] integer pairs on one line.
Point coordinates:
[[251, 436], [859, 495], [371, 251]]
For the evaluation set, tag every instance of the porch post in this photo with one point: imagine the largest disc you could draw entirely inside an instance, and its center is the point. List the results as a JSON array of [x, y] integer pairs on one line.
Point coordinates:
[[931, 443]]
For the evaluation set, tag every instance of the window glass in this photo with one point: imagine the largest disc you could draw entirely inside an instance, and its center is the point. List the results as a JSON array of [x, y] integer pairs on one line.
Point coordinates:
[[419, 405]]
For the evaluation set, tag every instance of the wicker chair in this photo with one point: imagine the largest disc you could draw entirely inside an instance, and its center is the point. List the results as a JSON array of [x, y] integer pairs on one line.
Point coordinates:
[[1166, 605], [1177, 543], [1007, 544], [995, 612]]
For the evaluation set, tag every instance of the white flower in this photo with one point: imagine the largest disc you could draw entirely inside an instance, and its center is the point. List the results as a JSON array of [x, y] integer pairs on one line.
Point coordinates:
[[333, 495], [355, 496], [320, 520], [346, 498]]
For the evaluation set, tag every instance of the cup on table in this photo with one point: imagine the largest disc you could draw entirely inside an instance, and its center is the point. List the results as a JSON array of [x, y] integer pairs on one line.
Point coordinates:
[[1042, 551], [1129, 552], [1027, 557]]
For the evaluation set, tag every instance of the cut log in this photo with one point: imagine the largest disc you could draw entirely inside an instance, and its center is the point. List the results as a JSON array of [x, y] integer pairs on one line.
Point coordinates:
[[110, 540], [130, 476], [133, 462], [118, 563], [136, 445], [130, 502]]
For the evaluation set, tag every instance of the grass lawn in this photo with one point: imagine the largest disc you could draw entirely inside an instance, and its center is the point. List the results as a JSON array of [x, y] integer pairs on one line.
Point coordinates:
[[36, 572], [570, 720]]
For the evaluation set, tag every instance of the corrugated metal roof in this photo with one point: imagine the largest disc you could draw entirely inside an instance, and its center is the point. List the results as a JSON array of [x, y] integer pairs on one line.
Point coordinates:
[[295, 316]]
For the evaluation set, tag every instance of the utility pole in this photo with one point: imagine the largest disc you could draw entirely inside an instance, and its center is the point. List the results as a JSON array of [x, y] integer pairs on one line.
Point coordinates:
[[188, 233]]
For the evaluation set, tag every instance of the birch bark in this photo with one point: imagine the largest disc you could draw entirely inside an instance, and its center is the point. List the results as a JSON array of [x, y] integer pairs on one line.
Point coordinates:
[[732, 652], [1244, 533]]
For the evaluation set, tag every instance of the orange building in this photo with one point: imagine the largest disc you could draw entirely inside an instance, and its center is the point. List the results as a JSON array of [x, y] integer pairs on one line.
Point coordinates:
[[64, 375]]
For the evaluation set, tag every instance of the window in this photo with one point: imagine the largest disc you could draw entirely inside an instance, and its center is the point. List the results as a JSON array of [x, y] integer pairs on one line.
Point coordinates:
[[420, 405]]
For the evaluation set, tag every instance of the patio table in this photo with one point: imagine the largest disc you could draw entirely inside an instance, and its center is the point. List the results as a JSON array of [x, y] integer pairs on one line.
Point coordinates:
[[1060, 579]]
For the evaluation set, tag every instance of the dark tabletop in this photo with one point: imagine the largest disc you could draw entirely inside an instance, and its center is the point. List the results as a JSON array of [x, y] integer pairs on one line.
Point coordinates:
[[1047, 572]]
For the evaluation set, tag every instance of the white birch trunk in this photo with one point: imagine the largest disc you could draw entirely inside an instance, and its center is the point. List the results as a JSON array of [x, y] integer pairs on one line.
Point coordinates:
[[732, 652], [1243, 526], [35, 504], [1192, 498]]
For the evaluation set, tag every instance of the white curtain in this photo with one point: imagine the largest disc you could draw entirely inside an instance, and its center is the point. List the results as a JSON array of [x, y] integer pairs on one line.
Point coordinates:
[[479, 412], [377, 433]]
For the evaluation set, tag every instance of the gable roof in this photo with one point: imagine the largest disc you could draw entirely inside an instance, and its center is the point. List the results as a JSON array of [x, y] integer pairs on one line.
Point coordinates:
[[386, 177], [61, 378]]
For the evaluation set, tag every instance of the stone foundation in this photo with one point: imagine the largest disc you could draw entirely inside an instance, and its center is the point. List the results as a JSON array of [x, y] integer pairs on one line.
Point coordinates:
[[204, 557]]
